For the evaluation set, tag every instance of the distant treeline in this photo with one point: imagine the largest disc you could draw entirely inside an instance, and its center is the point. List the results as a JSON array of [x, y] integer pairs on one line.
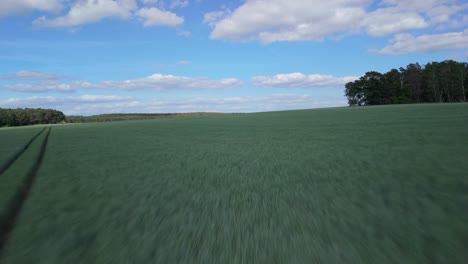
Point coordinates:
[[123, 117], [435, 82], [29, 116]]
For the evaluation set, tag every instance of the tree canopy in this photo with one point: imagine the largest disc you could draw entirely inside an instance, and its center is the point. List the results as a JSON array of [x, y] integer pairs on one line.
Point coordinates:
[[29, 116], [435, 82]]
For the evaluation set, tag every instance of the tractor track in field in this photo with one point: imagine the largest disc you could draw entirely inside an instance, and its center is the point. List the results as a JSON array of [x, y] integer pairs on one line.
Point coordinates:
[[21, 195], [6, 165]]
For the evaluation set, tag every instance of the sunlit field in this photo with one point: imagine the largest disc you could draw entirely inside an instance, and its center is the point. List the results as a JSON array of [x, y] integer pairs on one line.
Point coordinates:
[[385, 184]]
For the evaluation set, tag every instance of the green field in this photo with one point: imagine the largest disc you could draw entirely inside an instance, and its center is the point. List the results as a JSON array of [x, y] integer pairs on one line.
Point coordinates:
[[384, 184], [14, 180], [13, 141]]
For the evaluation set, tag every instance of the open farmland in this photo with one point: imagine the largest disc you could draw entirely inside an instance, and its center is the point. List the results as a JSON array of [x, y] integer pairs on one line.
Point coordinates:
[[345, 185], [13, 142], [17, 178]]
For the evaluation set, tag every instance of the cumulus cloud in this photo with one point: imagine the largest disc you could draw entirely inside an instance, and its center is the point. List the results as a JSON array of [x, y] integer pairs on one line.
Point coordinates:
[[300, 80], [89, 11], [99, 104], [157, 82], [436, 10], [386, 21], [408, 43], [283, 20], [154, 16], [14, 7], [29, 75]]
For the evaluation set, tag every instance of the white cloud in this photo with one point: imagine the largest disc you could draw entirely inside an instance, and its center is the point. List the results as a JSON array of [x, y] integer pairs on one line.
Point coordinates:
[[29, 75], [89, 11], [162, 82], [101, 98], [14, 7], [99, 104], [211, 18], [314, 20], [383, 22], [83, 105], [300, 80], [36, 101], [407, 43], [43, 87], [436, 10], [154, 16], [157, 82], [401, 16], [284, 20]]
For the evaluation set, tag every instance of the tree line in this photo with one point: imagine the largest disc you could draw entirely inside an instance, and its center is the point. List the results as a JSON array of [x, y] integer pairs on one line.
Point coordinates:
[[33, 116], [125, 117], [436, 82], [29, 116], [111, 117]]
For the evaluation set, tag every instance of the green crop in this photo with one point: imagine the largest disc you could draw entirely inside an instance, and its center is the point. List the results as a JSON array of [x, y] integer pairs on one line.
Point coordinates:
[[13, 142], [345, 185]]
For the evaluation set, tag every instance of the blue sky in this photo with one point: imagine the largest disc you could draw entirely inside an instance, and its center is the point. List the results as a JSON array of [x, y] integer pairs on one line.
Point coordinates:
[[102, 56]]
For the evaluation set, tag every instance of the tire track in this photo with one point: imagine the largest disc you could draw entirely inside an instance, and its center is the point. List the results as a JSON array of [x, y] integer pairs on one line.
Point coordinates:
[[6, 165], [21, 195]]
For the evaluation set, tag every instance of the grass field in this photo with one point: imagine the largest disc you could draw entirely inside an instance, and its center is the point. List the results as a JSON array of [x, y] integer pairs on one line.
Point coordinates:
[[382, 184]]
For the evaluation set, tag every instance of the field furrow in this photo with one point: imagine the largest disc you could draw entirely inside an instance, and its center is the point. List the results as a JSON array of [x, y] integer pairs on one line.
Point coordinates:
[[16, 182], [14, 142]]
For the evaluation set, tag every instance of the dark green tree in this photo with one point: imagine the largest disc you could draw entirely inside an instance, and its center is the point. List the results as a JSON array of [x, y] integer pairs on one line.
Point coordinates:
[[435, 82], [29, 116]]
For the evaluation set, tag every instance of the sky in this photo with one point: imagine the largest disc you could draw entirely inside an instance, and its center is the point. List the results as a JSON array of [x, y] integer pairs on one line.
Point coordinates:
[[86, 57]]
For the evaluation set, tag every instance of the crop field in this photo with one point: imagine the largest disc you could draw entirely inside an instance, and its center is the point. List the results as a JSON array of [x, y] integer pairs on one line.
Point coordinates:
[[13, 142], [17, 177], [385, 184]]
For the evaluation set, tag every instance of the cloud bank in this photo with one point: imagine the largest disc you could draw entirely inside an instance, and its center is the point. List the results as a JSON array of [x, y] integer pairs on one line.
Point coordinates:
[[314, 20], [97, 104], [155, 82], [161, 82], [300, 80]]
